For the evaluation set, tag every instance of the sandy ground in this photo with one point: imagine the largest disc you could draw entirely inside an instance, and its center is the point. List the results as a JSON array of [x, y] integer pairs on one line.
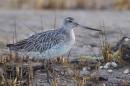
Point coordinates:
[[110, 20]]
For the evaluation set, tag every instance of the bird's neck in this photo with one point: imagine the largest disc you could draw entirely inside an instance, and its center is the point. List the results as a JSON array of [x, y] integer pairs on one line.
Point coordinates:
[[66, 29]]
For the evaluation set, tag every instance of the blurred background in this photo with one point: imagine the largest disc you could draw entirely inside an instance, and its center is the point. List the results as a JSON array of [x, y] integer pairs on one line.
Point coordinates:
[[66, 4], [112, 15]]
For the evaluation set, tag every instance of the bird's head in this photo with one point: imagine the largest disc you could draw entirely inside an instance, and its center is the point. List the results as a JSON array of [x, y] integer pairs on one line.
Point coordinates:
[[70, 23]]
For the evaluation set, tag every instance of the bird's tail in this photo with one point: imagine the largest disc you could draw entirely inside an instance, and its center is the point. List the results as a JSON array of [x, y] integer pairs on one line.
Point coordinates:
[[10, 46]]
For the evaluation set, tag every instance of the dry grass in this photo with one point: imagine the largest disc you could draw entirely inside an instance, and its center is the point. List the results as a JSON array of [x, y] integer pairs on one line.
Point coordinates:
[[14, 73]]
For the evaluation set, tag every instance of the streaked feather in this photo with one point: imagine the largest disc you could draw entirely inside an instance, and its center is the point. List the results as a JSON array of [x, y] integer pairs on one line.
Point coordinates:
[[39, 42]]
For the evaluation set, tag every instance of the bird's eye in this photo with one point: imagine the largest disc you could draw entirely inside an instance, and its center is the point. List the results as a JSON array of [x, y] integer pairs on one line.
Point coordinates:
[[69, 21]]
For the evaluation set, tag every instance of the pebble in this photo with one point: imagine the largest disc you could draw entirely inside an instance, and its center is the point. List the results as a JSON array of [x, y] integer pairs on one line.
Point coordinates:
[[88, 68], [110, 70], [103, 78], [84, 69], [127, 39], [94, 61], [103, 84], [101, 67], [113, 64], [126, 71], [108, 64], [105, 67], [118, 77]]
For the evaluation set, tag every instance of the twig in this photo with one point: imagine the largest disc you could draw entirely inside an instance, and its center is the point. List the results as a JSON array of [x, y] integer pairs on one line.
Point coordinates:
[[27, 26], [41, 22], [55, 19], [15, 28]]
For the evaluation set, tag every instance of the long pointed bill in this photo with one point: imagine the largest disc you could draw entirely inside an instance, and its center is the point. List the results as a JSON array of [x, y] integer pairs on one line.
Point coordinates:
[[78, 25]]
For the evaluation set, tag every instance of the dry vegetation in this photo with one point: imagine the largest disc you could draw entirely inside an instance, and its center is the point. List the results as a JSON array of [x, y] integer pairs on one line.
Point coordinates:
[[14, 72]]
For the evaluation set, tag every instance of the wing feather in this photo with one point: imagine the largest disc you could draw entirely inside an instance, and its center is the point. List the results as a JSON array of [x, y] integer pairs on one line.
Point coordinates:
[[39, 42]]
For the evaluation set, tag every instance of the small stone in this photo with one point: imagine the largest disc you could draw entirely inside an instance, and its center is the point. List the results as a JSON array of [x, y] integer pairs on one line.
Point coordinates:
[[105, 67], [129, 74], [113, 64], [127, 39], [103, 84], [126, 57], [84, 69], [126, 71], [108, 64], [94, 61], [118, 77], [103, 78], [88, 68], [110, 70], [101, 67]]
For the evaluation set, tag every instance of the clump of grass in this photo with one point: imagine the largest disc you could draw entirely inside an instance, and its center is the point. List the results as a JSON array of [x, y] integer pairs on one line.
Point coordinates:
[[12, 74], [108, 54]]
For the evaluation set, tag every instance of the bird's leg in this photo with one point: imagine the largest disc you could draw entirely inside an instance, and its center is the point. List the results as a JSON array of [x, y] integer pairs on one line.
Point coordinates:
[[48, 70]]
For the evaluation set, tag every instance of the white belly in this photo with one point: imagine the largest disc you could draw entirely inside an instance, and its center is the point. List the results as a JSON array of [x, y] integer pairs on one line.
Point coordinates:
[[58, 50], [55, 51]]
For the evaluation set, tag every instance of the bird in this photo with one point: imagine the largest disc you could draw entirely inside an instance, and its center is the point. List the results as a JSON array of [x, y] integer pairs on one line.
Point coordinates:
[[50, 43]]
